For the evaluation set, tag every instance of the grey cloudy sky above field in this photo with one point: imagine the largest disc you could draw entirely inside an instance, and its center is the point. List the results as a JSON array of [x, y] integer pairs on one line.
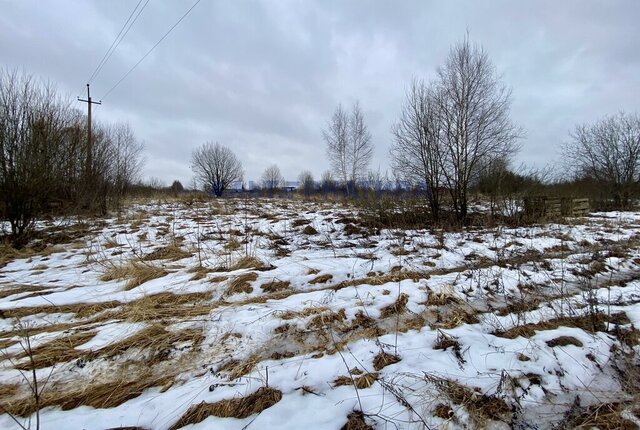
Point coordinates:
[[263, 77]]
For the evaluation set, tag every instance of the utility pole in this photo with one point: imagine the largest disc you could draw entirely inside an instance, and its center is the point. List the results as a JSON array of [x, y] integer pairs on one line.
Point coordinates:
[[89, 161]]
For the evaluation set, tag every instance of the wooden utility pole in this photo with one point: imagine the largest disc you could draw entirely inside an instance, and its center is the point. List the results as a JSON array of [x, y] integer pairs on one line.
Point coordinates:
[[89, 161]]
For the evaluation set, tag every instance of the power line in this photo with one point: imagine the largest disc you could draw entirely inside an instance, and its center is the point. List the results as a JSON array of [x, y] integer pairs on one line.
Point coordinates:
[[150, 50], [103, 60], [119, 38]]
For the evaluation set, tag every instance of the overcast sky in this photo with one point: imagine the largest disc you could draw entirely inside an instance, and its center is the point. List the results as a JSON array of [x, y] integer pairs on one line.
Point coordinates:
[[263, 77]]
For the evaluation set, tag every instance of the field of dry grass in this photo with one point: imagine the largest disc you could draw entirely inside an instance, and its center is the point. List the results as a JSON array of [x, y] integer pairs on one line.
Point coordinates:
[[251, 313]]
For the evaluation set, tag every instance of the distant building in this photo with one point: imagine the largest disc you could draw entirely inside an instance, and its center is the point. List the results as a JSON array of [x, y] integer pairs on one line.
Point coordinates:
[[290, 186]]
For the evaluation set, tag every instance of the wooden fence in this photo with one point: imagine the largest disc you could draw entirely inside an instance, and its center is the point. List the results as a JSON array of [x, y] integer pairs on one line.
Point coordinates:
[[555, 207]]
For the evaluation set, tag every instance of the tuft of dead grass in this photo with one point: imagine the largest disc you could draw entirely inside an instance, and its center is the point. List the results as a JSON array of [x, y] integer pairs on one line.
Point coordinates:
[[481, 407], [355, 421], [59, 350], [393, 276], [441, 299], [171, 252], [564, 341], [364, 381], [199, 272], [9, 254], [162, 307], [241, 284], [289, 315], [105, 395], [604, 416], [236, 369], [249, 262], [589, 323], [321, 279], [384, 359], [241, 407], [443, 411], [454, 316], [309, 231], [396, 308], [137, 273], [326, 319], [154, 344], [275, 286], [19, 289]]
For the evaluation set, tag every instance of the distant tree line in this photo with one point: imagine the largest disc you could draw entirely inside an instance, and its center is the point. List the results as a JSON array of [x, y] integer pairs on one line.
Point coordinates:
[[454, 136]]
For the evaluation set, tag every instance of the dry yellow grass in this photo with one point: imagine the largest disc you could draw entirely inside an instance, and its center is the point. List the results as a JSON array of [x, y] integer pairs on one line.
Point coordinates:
[[604, 416], [241, 284], [199, 272], [236, 369], [171, 252], [441, 299], [136, 273], [360, 382], [8, 253], [394, 276], [590, 323], [10, 290], [59, 350], [321, 279], [275, 286], [396, 308], [81, 310], [154, 343], [241, 407], [384, 359], [289, 315], [163, 307], [325, 319], [355, 421], [124, 386], [249, 262]]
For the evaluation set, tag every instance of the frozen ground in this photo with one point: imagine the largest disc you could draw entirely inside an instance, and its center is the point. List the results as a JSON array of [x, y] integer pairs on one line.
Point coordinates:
[[288, 314]]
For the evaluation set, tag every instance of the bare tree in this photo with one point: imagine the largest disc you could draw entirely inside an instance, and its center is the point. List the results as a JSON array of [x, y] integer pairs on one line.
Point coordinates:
[[43, 150], [349, 147], [125, 159], [32, 120], [377, 181], [307, 184], [327, 183], [360, 147], [473, 108], [272, 179], [216, 167], [417, 150], [337, 137], [176, 187], [609, 152]]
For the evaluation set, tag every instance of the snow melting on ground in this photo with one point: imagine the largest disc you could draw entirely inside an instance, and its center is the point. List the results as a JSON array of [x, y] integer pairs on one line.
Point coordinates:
[[505, 327]]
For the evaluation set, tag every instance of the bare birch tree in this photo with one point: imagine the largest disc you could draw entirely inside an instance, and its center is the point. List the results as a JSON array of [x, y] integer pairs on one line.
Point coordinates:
[[216, 167], [473, 107], [609, 152], [272, 179], [337, 138], [307, 184], [416, 151], [360, 147], [349, 147]]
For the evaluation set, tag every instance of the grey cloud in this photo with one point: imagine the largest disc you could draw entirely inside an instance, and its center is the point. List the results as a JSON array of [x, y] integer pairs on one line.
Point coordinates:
[[264, 77]]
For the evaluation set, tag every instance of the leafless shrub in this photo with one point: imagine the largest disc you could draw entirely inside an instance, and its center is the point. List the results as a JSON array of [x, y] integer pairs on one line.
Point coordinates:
[[216, 167]]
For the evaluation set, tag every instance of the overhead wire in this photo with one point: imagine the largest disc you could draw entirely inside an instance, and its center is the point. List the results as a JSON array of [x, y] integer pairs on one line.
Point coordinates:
[[150, 50], [119, 38]]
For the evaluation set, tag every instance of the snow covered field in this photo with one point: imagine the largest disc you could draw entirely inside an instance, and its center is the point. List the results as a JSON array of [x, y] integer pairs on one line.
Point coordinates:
[[288, 314]]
